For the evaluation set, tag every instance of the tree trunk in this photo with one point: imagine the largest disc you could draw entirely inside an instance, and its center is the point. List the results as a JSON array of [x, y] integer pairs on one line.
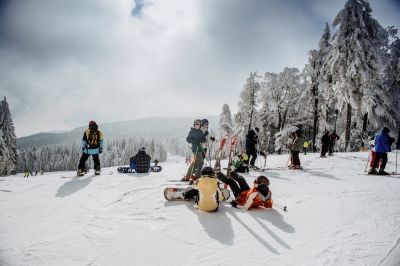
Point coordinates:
[[365, 121], [315, 129], [348, 126], [279, 121]]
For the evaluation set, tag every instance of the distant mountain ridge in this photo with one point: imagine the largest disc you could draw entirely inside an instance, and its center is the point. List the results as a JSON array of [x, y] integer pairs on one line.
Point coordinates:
[[157, 128]]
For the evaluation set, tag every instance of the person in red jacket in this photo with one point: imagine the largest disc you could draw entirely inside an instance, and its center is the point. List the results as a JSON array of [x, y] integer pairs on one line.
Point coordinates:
[[246, 197]]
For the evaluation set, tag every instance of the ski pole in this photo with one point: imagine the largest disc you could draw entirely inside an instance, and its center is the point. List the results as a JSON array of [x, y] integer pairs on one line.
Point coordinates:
[[369, 156], [280, 206]]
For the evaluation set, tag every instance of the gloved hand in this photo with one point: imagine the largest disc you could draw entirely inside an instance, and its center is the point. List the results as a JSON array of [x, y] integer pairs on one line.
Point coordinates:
[[212, 139], [234, 203], [100, 150], [83, 149], [206, 133]]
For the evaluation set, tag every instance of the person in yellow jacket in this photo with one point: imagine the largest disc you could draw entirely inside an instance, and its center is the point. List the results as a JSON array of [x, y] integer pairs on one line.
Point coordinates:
[[205, 191], [306, 144]]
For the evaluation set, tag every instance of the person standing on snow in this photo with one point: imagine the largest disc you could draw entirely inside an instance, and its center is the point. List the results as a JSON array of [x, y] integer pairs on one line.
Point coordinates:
[[246, 197], [383, 143], [297, 145], [325, 141], [332, 141], [205, 191], [92, 144], [196, 137], [251, 150]]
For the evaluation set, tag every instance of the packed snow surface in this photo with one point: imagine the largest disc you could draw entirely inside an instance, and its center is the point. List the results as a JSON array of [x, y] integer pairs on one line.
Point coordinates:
[[337, 215]]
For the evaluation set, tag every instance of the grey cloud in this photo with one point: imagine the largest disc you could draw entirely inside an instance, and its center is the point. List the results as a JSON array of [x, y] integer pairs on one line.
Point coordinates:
[[66, 62]]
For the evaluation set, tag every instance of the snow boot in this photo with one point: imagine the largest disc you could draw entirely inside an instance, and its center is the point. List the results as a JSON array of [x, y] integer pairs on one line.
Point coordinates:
[[97, 172], [80, 172], [372, 172]]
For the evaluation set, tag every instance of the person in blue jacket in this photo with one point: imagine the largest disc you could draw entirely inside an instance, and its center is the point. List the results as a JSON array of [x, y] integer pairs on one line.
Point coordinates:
[[92, 144], [383, 142]]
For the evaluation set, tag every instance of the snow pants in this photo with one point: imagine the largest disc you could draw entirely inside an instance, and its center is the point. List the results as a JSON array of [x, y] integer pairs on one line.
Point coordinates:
[[295, 157], [324, 149], [371, 163], [380, 156], [197, 165], [253, 154], [237, 183], [84, 158]]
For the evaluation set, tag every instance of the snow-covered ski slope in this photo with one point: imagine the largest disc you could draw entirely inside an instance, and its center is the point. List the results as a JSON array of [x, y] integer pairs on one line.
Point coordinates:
[[336, 215]]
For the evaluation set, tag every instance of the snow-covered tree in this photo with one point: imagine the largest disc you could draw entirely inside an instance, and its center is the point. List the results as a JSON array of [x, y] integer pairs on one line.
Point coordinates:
[[282, 94], [225, 121], [247, 106], [9, 137], [318, 83], [355, 64]]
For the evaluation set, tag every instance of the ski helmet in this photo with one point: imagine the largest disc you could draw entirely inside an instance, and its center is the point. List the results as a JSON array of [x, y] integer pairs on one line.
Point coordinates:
[[142, 149], [204, 122], [92, 123], [207, 171], [197, 122], [386, 130]]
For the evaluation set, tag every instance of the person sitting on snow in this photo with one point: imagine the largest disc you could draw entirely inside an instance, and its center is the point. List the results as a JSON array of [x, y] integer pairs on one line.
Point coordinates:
[[238, 163], [246, 197], [205, 191], [141, 161]]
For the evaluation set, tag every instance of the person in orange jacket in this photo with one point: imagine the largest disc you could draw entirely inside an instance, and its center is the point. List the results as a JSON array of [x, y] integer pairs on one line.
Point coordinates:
[[246, 197]]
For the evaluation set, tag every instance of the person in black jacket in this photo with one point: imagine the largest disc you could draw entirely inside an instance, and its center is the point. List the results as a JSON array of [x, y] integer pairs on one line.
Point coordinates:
[[325, 140], [332, 141], [251, 142], [196, 137], [142, 161]]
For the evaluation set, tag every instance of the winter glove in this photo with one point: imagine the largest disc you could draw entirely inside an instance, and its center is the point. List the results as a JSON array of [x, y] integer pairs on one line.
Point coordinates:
[[234, 203], [206, 133], [83, 149], [212, 139], [100, 150]]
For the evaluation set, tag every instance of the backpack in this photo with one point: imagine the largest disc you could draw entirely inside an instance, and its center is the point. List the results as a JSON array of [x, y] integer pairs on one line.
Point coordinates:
[[93, 138]]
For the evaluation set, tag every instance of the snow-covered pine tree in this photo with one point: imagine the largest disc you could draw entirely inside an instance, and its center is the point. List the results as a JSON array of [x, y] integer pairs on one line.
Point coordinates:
[[314, 70], [355, 63], [392, 75], [225, 121], [9, 137], [4, 156]]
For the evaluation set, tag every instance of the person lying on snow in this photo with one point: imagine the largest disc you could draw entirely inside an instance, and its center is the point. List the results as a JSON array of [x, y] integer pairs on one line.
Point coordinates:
[[205, 191], [246, 197]]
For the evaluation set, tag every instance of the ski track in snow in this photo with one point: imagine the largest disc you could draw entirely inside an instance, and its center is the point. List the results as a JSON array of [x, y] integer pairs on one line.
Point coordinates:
[[335, 217]]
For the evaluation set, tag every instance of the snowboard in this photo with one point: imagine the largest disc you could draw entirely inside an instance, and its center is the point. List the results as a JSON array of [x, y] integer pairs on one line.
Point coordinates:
[[178, 193], [124, 170]]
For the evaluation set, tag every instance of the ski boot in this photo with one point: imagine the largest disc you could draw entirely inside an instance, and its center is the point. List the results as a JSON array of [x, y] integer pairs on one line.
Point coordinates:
[[97, 172]]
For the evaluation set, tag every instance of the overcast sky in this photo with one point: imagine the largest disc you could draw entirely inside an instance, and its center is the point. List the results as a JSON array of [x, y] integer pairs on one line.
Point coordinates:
[[63, 63]]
